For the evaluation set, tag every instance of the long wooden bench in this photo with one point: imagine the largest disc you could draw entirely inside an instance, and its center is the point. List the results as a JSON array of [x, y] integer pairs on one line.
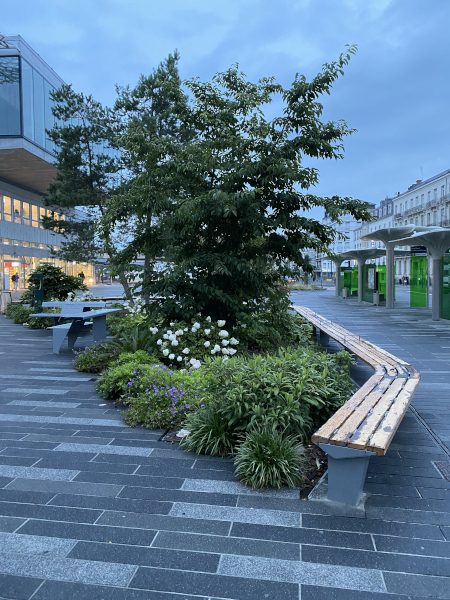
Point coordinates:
[[366, 424]]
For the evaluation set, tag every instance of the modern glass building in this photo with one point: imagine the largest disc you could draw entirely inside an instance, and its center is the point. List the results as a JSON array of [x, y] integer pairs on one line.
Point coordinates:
[[26, 163]]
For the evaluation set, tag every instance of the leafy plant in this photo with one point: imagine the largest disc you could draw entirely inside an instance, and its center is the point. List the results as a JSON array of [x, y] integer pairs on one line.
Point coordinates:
[[139, 338], [210, 433], [57, 285], [293, 391], [95, 358], [18, 313], [267, 459]]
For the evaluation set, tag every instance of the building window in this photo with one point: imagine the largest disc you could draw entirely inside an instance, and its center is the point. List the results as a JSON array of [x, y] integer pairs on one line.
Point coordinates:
[[417, 221], [429, 196], [17, 212], [37, 107], [9, 96], [41, 214], [421, 219], [406, 204], [26, 213], [442, 191], [434, 217], [7, 212], [34, 216], [428, 219], [435, 194], [422, 199], [417, 200]]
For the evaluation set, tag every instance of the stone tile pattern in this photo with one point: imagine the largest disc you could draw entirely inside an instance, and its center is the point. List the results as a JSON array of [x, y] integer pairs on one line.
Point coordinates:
[[90, 508]]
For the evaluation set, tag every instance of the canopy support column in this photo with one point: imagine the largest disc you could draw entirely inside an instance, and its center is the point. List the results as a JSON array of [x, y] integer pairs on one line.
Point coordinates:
[[338, 264], [361, 263], [390, 277], [436, 297]]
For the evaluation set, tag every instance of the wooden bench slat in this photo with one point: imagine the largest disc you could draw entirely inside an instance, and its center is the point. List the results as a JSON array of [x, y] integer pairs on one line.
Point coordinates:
[[323, 434], [382, 438], [369, 426], [346, 431]]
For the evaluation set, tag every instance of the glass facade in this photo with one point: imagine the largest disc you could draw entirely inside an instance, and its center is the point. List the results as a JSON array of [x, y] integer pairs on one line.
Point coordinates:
[[36, 102], [9, 95]]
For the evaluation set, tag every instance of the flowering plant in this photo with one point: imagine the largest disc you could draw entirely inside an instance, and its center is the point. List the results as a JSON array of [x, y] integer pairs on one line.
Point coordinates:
[[187, 345]]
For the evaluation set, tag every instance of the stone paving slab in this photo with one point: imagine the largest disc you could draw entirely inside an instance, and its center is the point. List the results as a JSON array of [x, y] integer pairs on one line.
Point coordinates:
[[92, 509]]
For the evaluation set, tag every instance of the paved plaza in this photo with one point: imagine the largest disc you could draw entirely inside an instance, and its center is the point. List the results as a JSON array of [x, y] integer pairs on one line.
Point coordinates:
[[92, 509]]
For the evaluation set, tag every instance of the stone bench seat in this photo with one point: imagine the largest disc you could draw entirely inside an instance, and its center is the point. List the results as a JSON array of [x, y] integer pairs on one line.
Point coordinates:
[[366, 424]]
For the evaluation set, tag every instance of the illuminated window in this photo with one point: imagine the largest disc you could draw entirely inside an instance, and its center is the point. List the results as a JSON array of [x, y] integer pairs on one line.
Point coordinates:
[[41, 214], [17, 212], [26, 213], [7, 208], [34, 216]]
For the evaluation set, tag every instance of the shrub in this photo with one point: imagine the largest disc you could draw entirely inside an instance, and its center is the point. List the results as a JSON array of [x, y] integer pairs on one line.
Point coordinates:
[[154, 395], [293, 392], [57, 285], [267, 459], [139, 338], [139, 357], [18, 313], [95, 358], [210, 433]]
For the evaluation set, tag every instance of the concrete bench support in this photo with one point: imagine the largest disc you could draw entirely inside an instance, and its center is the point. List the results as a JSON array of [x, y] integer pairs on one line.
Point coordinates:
[[347, 469]]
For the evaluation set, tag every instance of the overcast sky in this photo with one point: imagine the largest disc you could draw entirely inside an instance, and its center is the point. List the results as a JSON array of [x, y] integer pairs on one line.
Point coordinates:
[[395, 92]]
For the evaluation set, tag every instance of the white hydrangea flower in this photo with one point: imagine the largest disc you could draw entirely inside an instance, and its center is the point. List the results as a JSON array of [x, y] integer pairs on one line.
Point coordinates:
[[172, 324], [186, 351], [179, 358], [197, 364], [243, 326], [169, 332], [221, 323], [185, 329], [174, 342], [165, 336], [224, 350], [179, 332], [171, 356], [159, 342], [217, 347], [207, 331], [231, 351], [165, 352], [234, 341], [196, 325], [223, 333], [154, 330], [225, 342], [225, 358], [213, 351], [207, 344], [208, 319]]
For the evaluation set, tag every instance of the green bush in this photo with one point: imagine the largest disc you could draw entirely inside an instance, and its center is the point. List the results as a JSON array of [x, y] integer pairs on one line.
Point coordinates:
[[210, 433], [18, 313], [21, 314], [140, 357], [267, 459], [95, 358], [154, 395], [57, 285], [293, 391]]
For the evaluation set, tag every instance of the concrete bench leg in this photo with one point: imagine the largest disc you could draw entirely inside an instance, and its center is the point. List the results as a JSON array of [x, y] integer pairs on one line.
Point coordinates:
[[59, 335], [99, 329], [74, 331], [347, 468], [324, 338]]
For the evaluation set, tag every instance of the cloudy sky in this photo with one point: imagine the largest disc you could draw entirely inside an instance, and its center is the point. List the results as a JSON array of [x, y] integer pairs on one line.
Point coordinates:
[[395, 92]]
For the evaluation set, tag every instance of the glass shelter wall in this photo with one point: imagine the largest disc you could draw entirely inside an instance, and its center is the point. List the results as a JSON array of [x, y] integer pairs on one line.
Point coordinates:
[[9, 95]]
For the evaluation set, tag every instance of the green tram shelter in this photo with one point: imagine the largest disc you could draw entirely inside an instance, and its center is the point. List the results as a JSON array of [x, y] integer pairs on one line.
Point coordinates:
[[437, 242], [391, 237]]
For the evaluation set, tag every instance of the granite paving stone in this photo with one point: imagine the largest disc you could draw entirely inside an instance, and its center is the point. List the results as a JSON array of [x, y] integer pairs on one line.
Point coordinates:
[[103, 511]]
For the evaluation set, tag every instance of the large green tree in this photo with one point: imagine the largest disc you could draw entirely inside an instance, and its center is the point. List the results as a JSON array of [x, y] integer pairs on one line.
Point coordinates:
[[89, 167], [147, 127], [240, 193]]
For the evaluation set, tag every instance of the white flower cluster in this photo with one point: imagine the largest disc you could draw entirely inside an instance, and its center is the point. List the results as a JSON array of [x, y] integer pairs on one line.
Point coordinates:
[[168, 340]]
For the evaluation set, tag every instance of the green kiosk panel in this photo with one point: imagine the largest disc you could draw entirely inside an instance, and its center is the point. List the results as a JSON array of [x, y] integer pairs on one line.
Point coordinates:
[[418, 279]]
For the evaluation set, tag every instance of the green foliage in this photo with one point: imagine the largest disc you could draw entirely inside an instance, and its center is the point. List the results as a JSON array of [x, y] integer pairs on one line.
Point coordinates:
[[239, 193], [210, 433], [139, 357], [21, 314], [139, 338], [18, 313], [57, 285], [293, 392], [267, 459], [95, 358], [153, 394]]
